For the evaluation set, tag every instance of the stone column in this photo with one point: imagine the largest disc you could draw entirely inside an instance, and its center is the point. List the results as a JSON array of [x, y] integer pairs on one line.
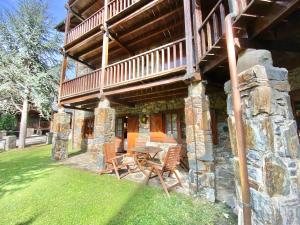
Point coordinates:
[[10, 142], [104, 130], [61, 130], [49, 138], [199, 142], [271, 140]]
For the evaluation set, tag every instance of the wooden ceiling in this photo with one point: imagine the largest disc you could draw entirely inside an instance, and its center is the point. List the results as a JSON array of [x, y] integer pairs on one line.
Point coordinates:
[[156, 23]]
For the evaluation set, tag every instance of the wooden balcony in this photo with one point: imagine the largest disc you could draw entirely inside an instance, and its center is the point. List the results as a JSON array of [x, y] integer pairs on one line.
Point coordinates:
[[153, 65], [255, 17], [158, 62], [86, 84], [90, 24]]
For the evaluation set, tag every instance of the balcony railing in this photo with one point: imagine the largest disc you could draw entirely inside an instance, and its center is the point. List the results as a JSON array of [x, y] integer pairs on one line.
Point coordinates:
[[161, 61], [213, 28], [82, 85], [86, 26], [117, 6], [150, 64]]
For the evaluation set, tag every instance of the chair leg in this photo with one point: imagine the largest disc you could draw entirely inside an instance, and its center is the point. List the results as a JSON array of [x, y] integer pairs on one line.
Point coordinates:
[[162, 182], [177, 176], [149, 175], [116, 171]]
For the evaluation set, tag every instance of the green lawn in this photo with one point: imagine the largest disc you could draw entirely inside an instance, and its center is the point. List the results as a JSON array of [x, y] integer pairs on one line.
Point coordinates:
[[35, 190]]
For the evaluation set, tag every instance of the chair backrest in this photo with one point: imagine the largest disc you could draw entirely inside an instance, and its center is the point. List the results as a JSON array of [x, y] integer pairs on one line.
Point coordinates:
[[172, 158], [109, 151]]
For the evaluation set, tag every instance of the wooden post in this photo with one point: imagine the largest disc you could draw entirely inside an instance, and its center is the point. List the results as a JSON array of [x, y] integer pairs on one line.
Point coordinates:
[[105, 45], [188, 37], [197, 22], [65, 59]]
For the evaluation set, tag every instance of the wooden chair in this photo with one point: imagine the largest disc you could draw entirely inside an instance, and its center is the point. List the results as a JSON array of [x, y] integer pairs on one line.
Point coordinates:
[[171, 161], [113, 162]]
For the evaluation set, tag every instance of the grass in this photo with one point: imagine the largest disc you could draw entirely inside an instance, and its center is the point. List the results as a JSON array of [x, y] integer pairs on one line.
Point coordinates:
[[36, 190]]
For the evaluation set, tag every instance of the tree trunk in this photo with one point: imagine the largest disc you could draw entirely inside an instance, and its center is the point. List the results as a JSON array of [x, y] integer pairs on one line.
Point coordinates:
[[23, 124]]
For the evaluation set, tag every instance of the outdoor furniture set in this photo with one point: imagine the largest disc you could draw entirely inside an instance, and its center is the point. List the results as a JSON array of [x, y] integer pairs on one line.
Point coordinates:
[[143, 159]]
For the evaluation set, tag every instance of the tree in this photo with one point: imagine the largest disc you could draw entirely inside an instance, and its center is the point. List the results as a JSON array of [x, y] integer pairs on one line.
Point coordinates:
[[8, 122], [29, 65]]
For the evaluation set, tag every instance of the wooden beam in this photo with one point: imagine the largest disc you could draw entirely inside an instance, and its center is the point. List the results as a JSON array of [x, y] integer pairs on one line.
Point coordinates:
[[65, 59], [82, 62], [197, 22], [188, 37], [105, 45], [176, 95], [77, 108], [80, 98], [275, 45], [153, 92], [121, 102], [74, 13], [278, 11], [113, 37], [144, 86], [157, 95]]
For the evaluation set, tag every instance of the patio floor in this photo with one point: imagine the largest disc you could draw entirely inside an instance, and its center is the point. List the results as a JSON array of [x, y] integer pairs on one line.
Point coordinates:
[[86, 162]]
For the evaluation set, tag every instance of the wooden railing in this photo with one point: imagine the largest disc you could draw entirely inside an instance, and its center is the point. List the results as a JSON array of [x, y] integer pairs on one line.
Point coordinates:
[[80, 85], [89, 24], [152, 63], [117, 6], [213, 28]]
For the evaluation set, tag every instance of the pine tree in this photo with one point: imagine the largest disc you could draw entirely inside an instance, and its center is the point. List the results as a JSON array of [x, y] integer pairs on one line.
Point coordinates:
[[29, 66]]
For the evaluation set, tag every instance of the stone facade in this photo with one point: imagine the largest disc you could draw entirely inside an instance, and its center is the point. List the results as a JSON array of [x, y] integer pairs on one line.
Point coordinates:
[[61, 130], [149, 109], [199, 142], [272, 141]]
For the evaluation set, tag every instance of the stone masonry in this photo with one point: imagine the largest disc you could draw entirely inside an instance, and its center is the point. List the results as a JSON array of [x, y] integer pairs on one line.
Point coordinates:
[[78, 140], [61, 130], [199, 142], [271, 140], [104, 130]]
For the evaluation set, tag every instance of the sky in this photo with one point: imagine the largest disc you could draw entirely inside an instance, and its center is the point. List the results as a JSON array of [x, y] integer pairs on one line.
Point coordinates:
[[56, 8]]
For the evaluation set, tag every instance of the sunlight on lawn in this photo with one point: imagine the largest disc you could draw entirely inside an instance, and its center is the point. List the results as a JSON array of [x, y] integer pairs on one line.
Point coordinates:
[[35, 190]]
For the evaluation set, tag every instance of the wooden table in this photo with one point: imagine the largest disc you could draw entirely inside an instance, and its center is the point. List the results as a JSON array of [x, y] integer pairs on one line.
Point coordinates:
[[143, 154]]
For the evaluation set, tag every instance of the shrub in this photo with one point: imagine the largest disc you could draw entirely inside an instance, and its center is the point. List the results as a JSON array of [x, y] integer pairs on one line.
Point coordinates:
[[8, 122]]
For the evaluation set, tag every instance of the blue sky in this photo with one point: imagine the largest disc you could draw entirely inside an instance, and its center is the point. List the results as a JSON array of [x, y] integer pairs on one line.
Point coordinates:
[[56, 8]]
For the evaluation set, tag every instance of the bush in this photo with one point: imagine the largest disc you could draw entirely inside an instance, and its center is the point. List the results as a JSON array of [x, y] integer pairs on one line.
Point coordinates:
[[8, 122]]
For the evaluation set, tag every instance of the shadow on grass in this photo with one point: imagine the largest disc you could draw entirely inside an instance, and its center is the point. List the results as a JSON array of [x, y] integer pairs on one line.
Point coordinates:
[[28, 221], [150, 206], [18, 172], [76, 153]]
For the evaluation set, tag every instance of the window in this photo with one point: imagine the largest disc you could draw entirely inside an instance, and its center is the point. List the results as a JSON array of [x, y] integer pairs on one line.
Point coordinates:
[[119, 128], [165, 127], [89, 128], [171, 125]]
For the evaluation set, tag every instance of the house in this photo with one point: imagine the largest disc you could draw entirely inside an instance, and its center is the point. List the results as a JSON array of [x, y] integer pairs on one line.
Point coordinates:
[[210, 75]]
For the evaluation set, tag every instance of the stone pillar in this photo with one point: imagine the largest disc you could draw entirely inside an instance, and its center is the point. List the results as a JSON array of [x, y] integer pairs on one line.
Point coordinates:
[[199, 142], [3, 133], [104, 130], [61, 130], [271, 140], [10, 142], [49, 138]]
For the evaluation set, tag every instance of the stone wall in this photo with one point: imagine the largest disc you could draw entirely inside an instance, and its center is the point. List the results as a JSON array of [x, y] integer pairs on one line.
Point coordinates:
[[224, 175], [271, 140], [78, 140]]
